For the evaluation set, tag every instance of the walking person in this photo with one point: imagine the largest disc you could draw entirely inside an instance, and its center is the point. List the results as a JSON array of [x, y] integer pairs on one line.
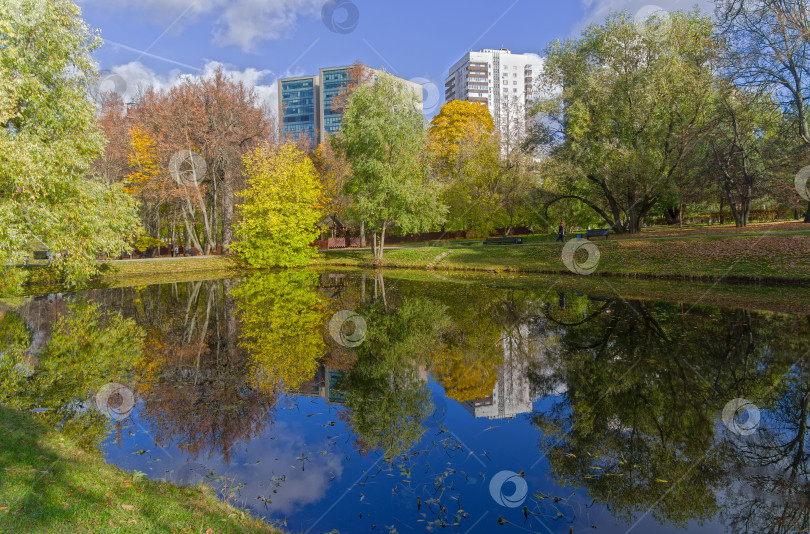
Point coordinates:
[[560, 233]]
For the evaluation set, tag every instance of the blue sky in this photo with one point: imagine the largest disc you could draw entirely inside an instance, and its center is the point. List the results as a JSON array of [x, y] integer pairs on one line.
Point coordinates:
[[151, 42]]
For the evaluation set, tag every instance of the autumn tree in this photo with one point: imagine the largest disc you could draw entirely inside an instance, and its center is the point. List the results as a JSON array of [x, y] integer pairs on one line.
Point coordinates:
[[334, 171], [383, 137], [146, 180], [212, 119], [280, 208], [48, 139]]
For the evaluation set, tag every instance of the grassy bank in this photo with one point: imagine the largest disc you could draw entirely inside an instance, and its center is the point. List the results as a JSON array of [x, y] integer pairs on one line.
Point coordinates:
[[49, 484], [742, 257], [745, 296], [166, 266], [127, 273]]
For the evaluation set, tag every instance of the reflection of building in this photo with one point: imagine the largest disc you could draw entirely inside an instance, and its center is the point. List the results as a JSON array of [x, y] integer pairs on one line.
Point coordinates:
[[512, 394], [324, 385], [305, 103]]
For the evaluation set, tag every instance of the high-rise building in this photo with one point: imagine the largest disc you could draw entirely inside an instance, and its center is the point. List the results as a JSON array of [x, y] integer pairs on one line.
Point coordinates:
[[498, 78], [305, 103], [299, 106]]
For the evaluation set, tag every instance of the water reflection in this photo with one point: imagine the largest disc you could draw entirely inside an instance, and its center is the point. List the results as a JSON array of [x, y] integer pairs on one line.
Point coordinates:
[[608, 411]]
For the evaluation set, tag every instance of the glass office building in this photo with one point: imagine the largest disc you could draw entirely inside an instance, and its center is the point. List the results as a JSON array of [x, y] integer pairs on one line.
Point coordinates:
[[332, 82], [298, 108], [306, 107]]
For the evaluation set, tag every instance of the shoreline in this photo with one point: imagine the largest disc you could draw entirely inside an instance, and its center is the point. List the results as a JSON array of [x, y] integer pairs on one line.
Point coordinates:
[[43, 469]]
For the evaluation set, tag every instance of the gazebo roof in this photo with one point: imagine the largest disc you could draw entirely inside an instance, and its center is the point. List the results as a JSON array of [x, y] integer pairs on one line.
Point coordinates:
[[331, 220]]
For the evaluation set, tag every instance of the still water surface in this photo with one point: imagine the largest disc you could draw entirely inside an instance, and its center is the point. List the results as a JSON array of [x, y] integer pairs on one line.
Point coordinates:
[[362, 403]]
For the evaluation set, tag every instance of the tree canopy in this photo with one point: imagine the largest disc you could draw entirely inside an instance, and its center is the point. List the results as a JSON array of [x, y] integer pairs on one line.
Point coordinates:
[[48, 141], [383, 138], [624, 105]]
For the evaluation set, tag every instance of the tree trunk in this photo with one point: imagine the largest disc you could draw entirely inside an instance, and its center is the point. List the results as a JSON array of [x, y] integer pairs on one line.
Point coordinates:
[[807, 213], [363, 234], [374, 244], [382, 242], [680, 215], [745, 211], [227, 215]]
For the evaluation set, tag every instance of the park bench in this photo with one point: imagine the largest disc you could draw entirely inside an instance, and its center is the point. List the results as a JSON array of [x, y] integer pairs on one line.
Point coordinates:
[[503, 241], [598, 232]]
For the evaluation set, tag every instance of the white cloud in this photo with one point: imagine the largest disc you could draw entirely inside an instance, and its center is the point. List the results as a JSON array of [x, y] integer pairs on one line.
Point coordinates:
[[243, 23], [246, 23], [137, 76], [597, 10]]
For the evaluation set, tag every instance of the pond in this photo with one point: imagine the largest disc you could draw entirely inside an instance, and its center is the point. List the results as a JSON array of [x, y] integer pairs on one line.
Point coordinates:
[[353, 402]]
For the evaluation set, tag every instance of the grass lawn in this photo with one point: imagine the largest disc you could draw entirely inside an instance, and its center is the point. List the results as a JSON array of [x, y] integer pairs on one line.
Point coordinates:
[[48, 484], [740, 256]]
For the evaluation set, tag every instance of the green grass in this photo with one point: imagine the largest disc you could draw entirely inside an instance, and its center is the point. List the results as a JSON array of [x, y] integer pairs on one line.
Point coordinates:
[[742, 295], [738, 257], [49, 484]]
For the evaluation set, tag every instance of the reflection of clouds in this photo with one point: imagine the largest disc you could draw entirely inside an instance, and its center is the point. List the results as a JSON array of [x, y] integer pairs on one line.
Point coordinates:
[[277, 462], [301, 487]]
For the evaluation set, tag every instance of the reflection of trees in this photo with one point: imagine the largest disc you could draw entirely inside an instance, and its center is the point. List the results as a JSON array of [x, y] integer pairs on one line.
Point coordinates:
[[644, 385], [223, 357], [282, 317], [386, 398], [88, 348], [768, 483], [467, 366]]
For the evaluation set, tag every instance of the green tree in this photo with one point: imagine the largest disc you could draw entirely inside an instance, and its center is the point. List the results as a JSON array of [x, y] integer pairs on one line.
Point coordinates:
[[49, 139], [743, 150], [383, 137], [280, 209], [632, 104]]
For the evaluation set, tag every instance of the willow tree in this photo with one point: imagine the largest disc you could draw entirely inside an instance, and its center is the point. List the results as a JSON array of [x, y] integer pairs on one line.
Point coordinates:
[[48, 141], [625, 104], [383, 137]]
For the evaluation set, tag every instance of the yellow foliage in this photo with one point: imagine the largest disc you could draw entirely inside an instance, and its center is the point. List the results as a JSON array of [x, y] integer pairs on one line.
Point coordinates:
[[465, 377], [458, 120], [143, 158]]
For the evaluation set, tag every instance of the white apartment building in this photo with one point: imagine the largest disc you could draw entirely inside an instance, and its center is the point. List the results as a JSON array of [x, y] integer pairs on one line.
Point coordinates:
[[502, 80]]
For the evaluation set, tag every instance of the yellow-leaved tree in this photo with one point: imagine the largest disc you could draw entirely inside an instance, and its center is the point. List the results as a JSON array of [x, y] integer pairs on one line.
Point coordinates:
[[467, 159], [455, 123], [143, 159], [280, 209]]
